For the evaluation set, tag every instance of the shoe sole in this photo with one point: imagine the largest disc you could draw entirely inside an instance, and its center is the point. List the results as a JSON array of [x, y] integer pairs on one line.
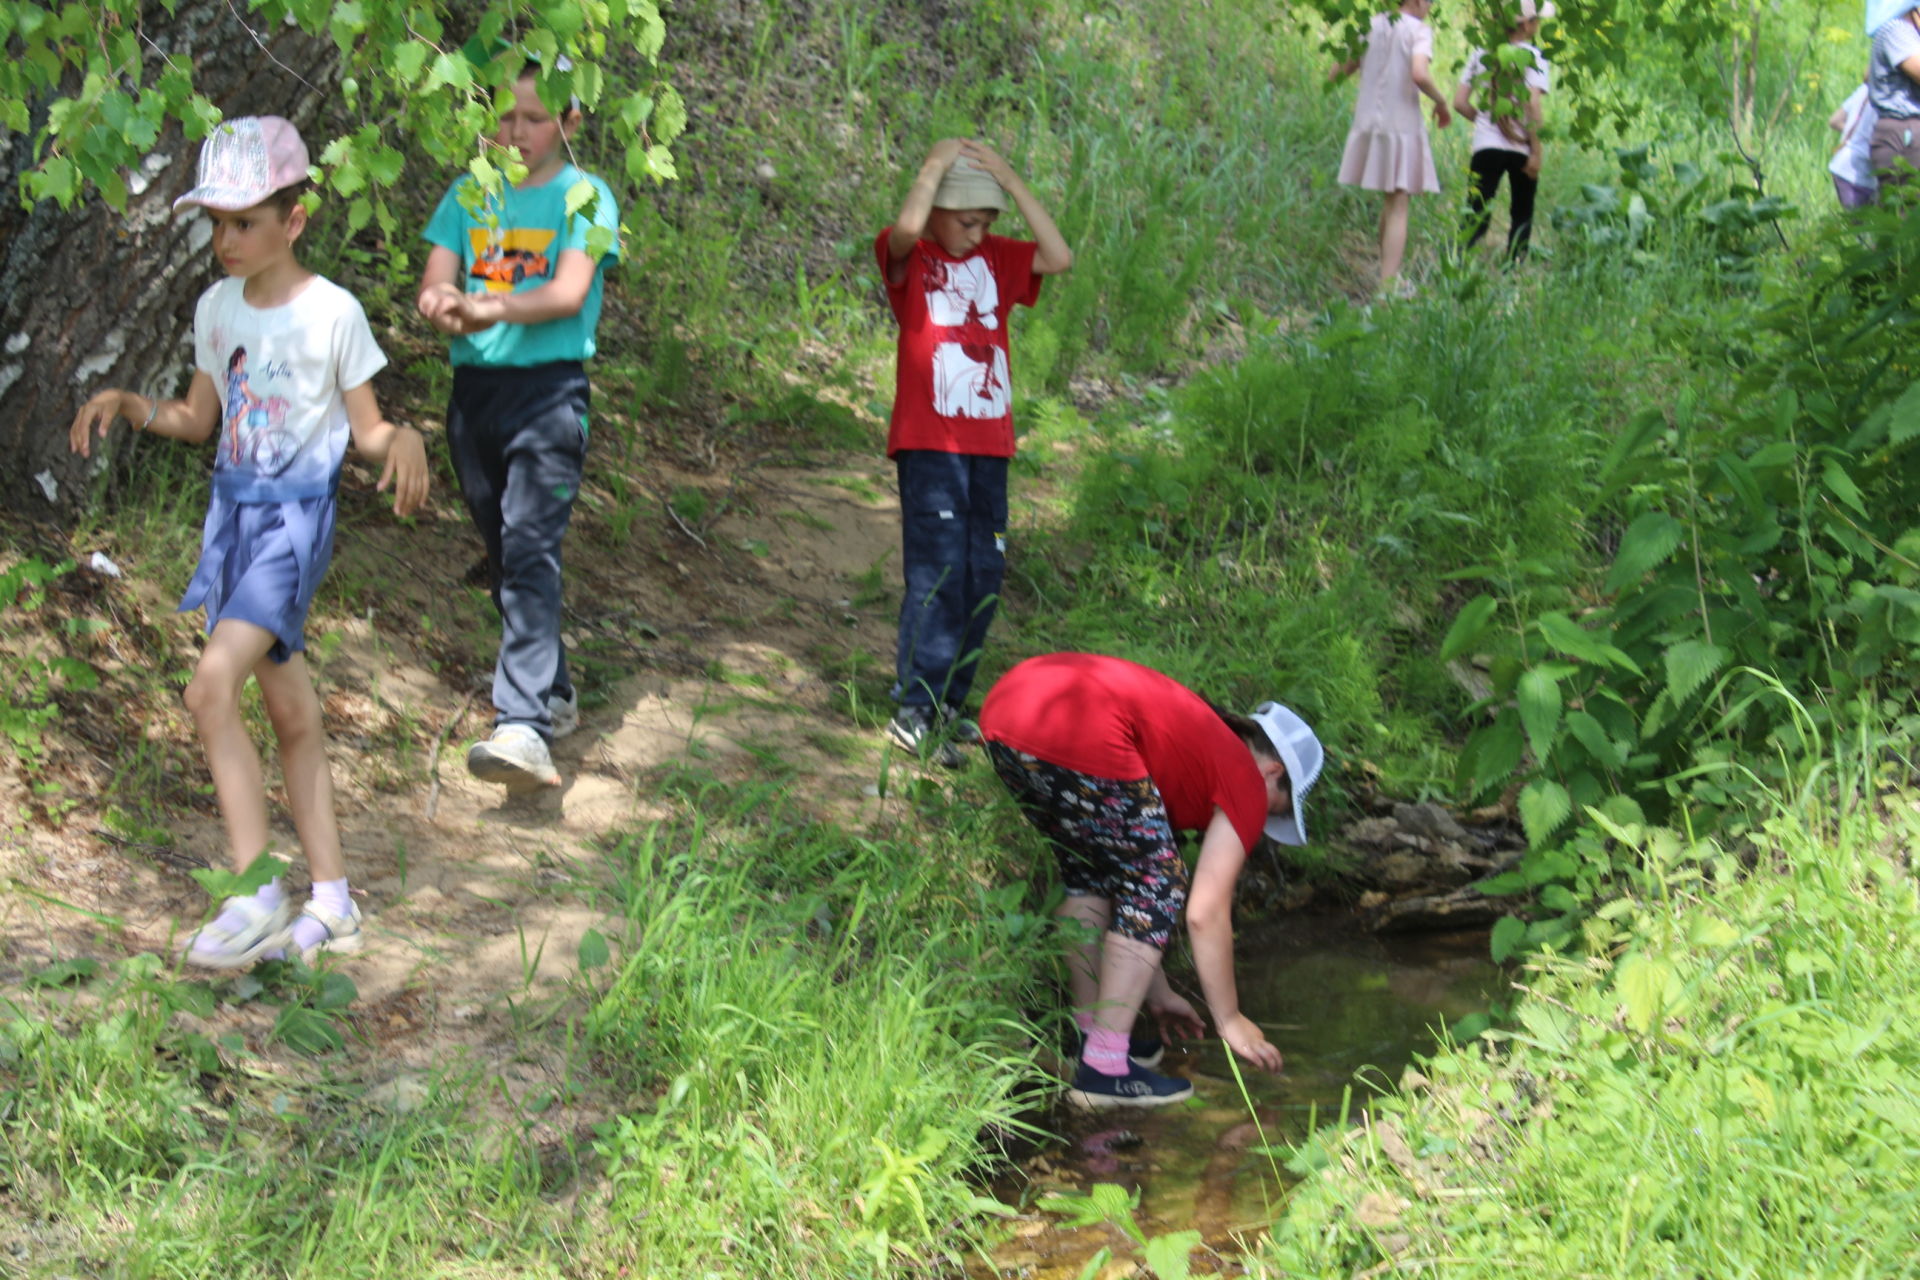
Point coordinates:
[[511, 774], [1085, 1101], [351, 945], [280, 941], [943, 754]]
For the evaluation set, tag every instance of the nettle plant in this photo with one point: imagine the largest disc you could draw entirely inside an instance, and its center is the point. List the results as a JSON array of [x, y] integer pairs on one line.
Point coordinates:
[[430, 71], [1763, 599]]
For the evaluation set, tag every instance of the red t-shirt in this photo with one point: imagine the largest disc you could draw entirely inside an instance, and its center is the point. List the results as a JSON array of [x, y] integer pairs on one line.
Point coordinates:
[[952, 390], [1111, 718]]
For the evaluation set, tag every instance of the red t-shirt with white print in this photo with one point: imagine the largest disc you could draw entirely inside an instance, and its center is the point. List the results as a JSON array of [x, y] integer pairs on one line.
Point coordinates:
[[952, 391]]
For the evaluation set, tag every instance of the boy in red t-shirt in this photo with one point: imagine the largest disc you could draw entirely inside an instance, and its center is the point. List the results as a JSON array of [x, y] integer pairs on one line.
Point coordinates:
[[953, 287]]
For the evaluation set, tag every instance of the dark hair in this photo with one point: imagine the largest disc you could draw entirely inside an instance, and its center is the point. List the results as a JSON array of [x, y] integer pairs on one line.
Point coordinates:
[[1246, 729], [239, 354], [530, 70], [286, 198]]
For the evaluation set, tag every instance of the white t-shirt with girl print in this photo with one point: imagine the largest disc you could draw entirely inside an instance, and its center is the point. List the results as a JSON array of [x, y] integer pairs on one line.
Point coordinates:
[[282, 374]]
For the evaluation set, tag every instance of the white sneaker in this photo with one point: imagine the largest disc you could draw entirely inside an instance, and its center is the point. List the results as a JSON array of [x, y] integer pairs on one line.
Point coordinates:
[[343, 936], [565, 713], [516, 757], [251, 931]]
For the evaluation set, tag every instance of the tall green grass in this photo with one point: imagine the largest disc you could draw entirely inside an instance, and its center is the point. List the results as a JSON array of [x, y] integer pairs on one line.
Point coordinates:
[[1734, 1097]]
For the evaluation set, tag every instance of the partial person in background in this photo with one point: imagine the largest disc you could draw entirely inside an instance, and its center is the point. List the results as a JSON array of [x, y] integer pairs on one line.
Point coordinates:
[[1506, 127], [1387, 147], [1852, 163], [1893, 90]]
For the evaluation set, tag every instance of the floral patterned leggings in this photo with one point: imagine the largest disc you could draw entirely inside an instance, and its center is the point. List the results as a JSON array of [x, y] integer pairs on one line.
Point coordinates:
[[1112, 840]]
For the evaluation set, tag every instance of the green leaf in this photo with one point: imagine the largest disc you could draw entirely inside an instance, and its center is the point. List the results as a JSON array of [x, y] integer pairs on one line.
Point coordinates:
[[669, 116], [1544, 807], [1648, 542], [580, 195], [1904, 423], [1841, 486], [1690, 664], [1538, 696], [1468, 626], [408, 59], [62, 972], [593, 950], [306, 1030], [1649, 988], [1506, 938], [1169, 1256], [1589, 733], [1493, 752], [221, 884], [334, 990]]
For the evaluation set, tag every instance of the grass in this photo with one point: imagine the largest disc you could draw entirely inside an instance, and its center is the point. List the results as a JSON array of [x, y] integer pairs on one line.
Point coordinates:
[[808, 1099], [1734, 1097]]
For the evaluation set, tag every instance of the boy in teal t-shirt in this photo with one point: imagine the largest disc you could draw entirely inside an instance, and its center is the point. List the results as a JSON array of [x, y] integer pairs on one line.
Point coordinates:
[[518, 291]]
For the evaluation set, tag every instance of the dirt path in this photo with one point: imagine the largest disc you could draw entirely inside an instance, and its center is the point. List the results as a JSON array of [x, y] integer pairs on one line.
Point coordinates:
[[713, 645]]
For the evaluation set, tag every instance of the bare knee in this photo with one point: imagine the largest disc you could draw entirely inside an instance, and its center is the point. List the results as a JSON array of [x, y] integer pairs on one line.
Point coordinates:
[[211, 693]]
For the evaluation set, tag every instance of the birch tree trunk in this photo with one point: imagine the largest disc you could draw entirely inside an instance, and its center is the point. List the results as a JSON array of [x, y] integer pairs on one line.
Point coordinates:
[[90, 298]]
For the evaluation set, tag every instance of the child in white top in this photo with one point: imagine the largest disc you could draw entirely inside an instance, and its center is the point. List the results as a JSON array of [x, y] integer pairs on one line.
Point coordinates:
[[1387, 148], [283, 361], [1506, 130], [1851, 166]]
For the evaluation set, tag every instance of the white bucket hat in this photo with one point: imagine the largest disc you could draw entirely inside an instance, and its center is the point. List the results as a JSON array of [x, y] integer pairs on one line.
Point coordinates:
[[1298, 748], [1529, 11]]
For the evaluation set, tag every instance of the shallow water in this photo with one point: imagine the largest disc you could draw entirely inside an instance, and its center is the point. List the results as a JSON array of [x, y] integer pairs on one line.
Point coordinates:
[[1345, 1008]]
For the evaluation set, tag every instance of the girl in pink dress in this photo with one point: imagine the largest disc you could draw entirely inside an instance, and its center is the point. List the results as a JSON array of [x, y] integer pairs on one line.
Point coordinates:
[[1387, 147]]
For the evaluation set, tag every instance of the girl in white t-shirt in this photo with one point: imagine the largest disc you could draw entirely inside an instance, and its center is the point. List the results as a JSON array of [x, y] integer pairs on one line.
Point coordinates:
[[1512, 84], [1852, 165]]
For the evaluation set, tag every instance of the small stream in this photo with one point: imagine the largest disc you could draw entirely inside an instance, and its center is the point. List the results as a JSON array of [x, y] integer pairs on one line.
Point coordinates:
[[1346, 1008]]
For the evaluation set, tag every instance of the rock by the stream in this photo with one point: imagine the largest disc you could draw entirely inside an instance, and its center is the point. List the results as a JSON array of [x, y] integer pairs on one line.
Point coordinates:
[[1415, 865]]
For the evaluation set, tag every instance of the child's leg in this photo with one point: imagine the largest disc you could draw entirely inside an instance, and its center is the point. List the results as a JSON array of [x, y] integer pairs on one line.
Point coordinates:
[[933, 554], [1520, 235], [213, 696], [1486, 182], [1090, 915], [1393, 233], [294, 708], [986, 565]]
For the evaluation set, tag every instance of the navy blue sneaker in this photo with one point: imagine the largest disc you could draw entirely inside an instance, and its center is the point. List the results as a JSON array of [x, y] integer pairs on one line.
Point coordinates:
[[1144, 1045], [1140, 1087]]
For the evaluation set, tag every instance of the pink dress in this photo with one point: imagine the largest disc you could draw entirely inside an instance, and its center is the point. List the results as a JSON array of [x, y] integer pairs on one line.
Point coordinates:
[[1387, 148]]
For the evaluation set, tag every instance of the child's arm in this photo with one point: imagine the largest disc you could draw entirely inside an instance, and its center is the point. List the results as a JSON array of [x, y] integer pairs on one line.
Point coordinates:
[[192, 419], [1053, 257], [1463, 102], [1210, 926], [558, 298], [1422, 72], [1536, 116], [912, 218], [1838, 120], [400, 448]]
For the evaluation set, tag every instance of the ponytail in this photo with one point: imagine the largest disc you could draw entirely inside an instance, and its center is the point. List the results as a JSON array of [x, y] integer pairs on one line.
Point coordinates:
[[1245, 729]]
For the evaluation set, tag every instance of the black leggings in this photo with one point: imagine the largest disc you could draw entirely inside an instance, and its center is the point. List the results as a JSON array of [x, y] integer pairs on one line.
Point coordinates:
[[1488, 165]]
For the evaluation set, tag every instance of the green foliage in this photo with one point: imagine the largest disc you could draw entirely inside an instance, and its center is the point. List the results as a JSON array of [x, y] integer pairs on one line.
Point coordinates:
[[403, 72], [840, 1052], [1657, 210], [1167, 1255], [31, 683], [1733, 1097]]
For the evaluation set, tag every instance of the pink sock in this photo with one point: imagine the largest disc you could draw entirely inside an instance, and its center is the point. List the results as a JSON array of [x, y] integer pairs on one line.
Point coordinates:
[[1106, 1051], [1083, 1019]]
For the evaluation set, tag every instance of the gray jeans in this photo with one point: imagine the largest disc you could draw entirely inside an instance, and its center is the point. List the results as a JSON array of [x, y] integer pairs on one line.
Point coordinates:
[[519, 442]]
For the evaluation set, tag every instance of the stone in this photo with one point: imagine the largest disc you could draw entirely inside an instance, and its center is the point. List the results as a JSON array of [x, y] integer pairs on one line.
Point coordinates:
[[1429, 820]]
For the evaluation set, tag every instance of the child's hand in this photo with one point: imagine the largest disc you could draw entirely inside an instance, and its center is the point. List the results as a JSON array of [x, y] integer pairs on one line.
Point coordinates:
[[989, 159], [95, 416], [406, 471], [444, 309], [1176, 1016], [1247, 1040], [944, 152], [1441, 115]]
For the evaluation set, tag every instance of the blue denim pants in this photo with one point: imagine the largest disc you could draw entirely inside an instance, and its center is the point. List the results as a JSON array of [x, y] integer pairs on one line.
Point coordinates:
[[953, 543], [519, 442]]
